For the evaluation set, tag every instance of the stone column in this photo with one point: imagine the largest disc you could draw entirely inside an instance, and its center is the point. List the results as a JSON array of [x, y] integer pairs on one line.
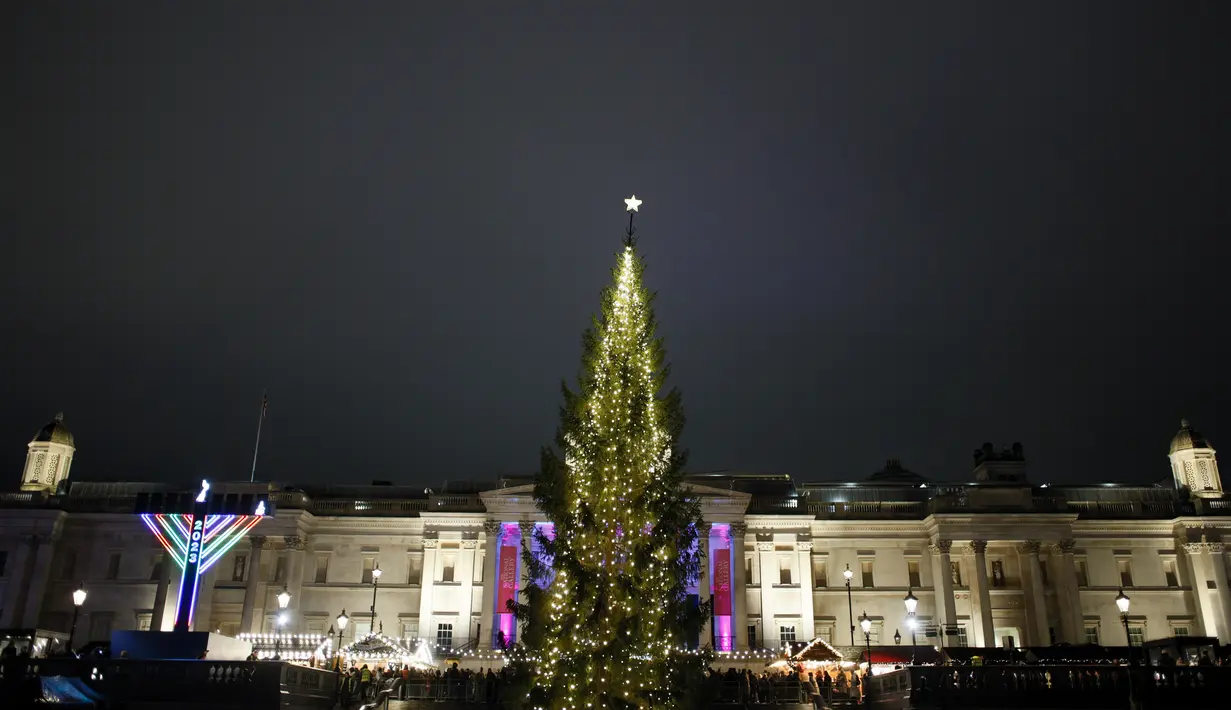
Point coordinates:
[[942, 569], [1216, 605], [463, 573], [739, 586], [252, 591], [979, 586], [160, 592], [491, 585], [1207, 610], [205, 601], [765, 559], [527, 543], [1068, 595], [36, 583], [803, 552], [295, 546], [703, 583], [19, 565], [1036, 602], [427, 586]]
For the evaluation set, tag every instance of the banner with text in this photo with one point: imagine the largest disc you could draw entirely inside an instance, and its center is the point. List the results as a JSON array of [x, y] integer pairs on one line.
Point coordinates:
[[508, 578], [722, 583]]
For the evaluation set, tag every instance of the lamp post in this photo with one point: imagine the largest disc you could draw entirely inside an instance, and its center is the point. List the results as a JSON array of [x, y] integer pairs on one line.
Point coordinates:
[[897, 637], [79, 595], [850, 607], [375, 582], [342, 620], [284, 599], [1122, 602], [912, 602], [866, 624]]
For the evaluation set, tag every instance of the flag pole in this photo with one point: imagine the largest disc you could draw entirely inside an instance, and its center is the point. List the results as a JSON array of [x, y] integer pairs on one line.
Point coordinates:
[[260, 420]]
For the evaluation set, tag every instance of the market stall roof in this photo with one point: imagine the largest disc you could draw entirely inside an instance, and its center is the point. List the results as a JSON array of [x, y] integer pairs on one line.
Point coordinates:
[[381, 648], [817, 651]]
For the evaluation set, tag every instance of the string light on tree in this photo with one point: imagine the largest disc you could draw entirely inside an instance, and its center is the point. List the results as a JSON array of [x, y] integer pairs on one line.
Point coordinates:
[[608, 631]]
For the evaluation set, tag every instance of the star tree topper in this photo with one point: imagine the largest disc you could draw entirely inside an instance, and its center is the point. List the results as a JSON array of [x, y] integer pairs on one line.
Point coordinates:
[[632, 204]]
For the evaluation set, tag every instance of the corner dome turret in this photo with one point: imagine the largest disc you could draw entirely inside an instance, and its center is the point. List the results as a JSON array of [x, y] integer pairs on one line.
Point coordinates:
[[55, 432], [1188, 438]]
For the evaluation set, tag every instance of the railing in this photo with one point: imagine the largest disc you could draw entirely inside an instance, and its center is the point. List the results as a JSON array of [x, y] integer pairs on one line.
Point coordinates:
[[867, 509], [1087, 687], [203, 683]]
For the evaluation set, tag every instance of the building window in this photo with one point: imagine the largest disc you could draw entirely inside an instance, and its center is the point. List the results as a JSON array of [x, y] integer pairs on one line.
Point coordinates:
[[866, 566], [1092, 634], [1051, 635], [963, 640], [447, 564], [322, 569], [444, 635], [1136, 634], [1046, 581], [280, 569], [1169, 573], [410, 630], [912, 574], [369, 563], [998, 573], [1083, 580], [68, 566], [476, 575], [1180, 631], [100, 625], [748, 570], [113, 566], [784, 570], [156, 568], [143, 621], [1126, 572], [956, 568], [752, 637], [4, 561], [414, 571], [239, 568], [786, 634], [818, 574]]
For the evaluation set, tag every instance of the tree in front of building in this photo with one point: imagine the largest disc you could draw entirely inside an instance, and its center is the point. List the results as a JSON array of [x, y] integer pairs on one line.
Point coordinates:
[[610, 624]]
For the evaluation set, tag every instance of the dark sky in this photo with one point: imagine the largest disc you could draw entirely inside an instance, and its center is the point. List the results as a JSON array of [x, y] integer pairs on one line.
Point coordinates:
[[876, 229]]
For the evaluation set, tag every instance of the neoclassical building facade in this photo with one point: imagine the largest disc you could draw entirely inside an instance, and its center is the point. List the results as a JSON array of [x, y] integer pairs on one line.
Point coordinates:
[[998, 559]]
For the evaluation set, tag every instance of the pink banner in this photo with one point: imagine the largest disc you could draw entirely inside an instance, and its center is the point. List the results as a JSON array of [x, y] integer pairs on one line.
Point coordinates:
[[508, 578], [722, 582]]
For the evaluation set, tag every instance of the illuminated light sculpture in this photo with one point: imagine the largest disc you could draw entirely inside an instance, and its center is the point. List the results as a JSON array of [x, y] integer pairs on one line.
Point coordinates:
[[197, 540]]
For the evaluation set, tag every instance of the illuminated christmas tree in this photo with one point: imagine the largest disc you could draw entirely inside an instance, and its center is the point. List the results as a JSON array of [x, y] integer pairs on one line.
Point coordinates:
[[610, 629]]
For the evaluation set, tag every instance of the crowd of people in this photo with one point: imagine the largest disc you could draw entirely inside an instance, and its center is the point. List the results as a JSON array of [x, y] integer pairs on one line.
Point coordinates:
[[363, 684], [788, 685]]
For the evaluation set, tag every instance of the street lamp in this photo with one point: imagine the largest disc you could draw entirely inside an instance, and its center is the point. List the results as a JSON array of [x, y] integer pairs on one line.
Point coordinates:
[[284, 599], [850, 608], [897, 637], [78, 599], [342, 620], [375, 582], [1122, 604], [866, 624], [911, 602]]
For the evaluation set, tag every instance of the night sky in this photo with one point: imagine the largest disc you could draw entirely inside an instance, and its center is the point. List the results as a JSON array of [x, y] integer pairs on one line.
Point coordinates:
[[876, 230]]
